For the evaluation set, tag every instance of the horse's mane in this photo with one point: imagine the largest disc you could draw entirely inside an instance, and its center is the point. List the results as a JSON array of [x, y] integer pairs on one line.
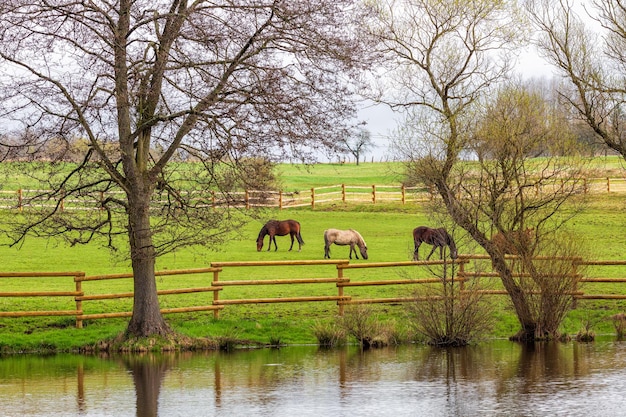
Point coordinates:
[[263, 232], [359, 236]]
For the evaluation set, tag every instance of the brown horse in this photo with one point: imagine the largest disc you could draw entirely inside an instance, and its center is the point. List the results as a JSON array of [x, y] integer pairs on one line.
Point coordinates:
[[439, 238], [279, 228], [344, 237], [510, 243]]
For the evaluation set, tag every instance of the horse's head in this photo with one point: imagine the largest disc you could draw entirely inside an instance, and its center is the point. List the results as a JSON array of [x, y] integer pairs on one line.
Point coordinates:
[[453, 251], [363, 250], [259, 240]]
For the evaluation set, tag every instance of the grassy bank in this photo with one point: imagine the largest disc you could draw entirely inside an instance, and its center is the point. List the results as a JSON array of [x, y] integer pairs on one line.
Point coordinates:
[[386, 228]]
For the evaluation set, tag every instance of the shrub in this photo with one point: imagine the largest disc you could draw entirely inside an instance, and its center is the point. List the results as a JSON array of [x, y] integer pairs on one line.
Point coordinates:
[[329, 335], [586, 334], [619, 321], [445, 316], [359, 322]]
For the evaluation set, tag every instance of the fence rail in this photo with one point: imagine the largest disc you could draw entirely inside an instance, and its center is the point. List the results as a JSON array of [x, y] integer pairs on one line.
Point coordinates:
[[56, 294], [90, 305], [26, 198]]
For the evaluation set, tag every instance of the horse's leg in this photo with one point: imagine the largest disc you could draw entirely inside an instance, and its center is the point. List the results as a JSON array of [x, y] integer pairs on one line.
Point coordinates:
[[291, 247], [352, 249], [327, 250], [272, 239], [431, 252], [416, 254]]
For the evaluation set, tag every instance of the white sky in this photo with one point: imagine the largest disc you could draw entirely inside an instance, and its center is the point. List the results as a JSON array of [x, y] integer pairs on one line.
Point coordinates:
[[381, 120]]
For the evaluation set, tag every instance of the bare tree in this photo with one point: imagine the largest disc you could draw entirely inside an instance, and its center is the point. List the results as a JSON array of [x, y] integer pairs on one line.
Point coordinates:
[[449, 68], [358, 144], [146, 82], [592, 59]]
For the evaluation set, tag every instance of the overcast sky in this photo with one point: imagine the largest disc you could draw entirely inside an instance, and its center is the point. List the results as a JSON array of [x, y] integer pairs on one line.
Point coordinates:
[[381, 121]]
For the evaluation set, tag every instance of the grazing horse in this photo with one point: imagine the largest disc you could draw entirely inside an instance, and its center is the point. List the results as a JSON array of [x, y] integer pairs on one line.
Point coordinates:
[[342, 238], [510, 243], [279, 228], [439, 238]]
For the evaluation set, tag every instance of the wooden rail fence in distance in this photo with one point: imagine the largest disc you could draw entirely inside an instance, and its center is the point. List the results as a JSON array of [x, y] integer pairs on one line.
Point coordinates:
[[339, 193]]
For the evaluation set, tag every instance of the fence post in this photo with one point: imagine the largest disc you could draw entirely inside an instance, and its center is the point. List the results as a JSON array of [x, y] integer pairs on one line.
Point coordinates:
[[19, 199], [461, 274], [374, 194], [216, 295], [608, 185], [78, 282], [403, 195], [280, 199], [343, 193], [575, 263], [247, 198], [312, 198], [340, 288]]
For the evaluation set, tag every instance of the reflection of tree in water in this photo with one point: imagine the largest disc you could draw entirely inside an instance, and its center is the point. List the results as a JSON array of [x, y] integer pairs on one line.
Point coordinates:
[[540, 363], [148, 371]]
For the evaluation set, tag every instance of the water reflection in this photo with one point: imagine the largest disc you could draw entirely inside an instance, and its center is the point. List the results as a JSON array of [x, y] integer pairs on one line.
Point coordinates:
[[497, 378]]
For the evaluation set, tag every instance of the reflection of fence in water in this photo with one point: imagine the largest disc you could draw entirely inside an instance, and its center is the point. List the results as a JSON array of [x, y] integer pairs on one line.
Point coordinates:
[[337, 288]]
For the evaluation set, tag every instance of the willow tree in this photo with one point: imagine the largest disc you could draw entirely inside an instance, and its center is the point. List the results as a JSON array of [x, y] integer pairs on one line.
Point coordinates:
[[448, 60], [148, 84]]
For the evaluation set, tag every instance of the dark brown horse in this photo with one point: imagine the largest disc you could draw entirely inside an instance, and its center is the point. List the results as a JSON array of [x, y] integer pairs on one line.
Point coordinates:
[[279, 228], [439, 238], [510, 243]]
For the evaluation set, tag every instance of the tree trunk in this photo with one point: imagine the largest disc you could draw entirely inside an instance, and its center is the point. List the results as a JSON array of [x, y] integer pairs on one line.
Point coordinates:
[[147, 319], [520, 303]]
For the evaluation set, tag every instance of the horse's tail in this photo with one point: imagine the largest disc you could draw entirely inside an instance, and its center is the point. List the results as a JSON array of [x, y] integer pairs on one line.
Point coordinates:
[[298, 234]]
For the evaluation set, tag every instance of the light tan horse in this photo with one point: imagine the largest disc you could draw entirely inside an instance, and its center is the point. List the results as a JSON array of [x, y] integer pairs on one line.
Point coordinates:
[[344, 237]]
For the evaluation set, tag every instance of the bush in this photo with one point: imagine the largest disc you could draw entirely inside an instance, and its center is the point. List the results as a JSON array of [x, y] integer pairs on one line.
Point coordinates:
[[359, 322], [329, 335], [445, 316]]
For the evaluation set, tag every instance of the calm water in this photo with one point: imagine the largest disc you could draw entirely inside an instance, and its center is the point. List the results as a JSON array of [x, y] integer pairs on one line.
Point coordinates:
[[493, 379]]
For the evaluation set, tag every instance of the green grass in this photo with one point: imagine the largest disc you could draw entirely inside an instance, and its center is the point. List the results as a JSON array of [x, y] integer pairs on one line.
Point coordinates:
[[301, 177], [385, 227]]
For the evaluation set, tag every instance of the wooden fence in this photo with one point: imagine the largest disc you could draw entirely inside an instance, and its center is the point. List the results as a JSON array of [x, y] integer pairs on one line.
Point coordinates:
[[186, 309], [339, 193], [339, 288], [43, 276]]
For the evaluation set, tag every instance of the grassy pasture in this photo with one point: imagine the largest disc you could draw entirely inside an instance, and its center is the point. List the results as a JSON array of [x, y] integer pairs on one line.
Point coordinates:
[[385, 227]]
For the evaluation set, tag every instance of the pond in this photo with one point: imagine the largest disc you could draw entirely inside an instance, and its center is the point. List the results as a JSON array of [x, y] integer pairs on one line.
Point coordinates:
[[491, 379]]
